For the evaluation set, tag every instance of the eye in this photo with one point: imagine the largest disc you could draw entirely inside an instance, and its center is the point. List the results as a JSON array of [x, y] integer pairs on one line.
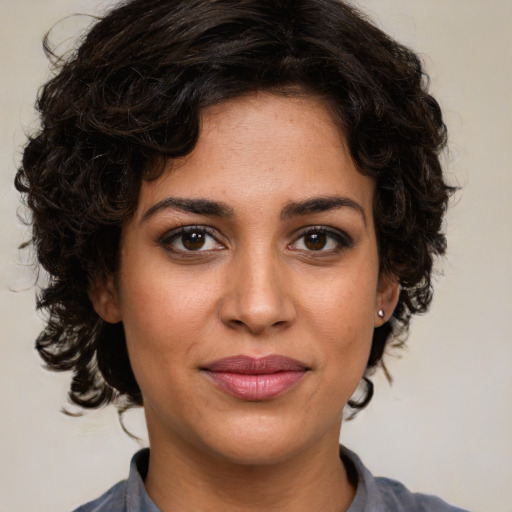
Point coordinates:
[[190, 239], [321, 239]]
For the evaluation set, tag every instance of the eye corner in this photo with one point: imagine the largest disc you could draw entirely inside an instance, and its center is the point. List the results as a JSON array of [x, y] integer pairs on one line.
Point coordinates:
[[202, 240], [325, 240]]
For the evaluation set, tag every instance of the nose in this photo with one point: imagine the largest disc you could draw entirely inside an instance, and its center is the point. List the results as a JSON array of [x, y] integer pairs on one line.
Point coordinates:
[[258, 299]]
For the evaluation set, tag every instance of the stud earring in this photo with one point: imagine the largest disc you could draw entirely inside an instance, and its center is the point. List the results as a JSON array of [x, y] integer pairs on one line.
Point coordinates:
[[380, 313]]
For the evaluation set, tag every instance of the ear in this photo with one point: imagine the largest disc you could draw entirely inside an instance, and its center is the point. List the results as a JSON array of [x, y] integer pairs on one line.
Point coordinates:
[[105, 300], [388, 293]]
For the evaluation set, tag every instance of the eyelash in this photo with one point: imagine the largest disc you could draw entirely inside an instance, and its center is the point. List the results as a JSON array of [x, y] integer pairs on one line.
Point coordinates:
[[342, 240], [168, 238]]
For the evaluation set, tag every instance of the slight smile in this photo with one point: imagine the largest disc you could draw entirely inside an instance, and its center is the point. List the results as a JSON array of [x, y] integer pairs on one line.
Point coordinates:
[[256, 379]]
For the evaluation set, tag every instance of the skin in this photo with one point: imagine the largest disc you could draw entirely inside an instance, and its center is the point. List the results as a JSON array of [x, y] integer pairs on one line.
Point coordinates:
[[257, 286]]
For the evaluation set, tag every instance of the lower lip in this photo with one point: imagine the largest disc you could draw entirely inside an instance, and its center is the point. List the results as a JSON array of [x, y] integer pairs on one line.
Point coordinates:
[[256, 387]]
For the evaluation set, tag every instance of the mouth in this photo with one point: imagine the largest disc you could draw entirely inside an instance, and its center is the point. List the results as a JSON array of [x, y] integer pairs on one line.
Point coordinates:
[[256, 379]]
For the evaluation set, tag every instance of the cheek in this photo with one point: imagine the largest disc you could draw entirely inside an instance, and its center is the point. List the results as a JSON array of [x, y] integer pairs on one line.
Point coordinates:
[[157, 295], [341, 317], [345, 303], [163, 314]]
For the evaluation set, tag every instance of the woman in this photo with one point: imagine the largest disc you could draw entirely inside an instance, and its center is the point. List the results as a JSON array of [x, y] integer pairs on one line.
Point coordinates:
[[238, 205]]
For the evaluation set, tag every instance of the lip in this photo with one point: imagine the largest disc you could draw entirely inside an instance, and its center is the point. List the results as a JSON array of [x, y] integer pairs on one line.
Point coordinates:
[[256, 379]]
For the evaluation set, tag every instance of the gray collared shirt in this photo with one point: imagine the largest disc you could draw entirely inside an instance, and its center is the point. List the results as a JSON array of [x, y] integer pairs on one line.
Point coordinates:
[[372, 495]]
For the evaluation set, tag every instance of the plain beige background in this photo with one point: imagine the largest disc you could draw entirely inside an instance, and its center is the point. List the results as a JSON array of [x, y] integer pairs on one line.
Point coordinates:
[[445, 426]]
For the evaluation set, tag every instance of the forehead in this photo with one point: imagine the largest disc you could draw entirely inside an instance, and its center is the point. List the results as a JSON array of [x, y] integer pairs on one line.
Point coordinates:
[[263, 149]]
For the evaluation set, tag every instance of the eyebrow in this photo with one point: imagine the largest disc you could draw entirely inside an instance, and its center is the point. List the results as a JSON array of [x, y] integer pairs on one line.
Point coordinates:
[[200, 206], [320, 204], [291, 209]]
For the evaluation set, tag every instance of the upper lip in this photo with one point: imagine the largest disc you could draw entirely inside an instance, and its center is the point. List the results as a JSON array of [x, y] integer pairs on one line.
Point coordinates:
[[256, 365]]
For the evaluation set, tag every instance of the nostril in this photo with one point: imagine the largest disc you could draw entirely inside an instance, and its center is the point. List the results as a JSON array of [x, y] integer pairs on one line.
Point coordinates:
[[256, 308]]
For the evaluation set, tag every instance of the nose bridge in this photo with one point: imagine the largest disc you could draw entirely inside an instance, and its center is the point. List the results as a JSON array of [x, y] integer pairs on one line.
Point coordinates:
[[257, 299]]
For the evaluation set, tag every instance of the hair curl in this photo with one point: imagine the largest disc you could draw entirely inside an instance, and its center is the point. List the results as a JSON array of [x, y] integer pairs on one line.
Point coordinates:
[[131, 95]]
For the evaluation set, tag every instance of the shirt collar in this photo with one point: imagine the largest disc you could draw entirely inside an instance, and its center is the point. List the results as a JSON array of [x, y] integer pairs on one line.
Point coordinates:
[[137, 498]]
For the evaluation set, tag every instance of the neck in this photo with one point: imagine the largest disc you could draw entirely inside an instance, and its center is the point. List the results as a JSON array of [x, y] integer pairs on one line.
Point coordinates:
[[188, 478]]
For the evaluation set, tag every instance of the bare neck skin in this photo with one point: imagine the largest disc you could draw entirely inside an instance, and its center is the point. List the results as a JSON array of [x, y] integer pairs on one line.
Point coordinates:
[[182, 477]]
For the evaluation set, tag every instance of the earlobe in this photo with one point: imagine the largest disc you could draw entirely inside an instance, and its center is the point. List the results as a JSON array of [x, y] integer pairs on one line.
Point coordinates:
[[104, 298], [388, 294]]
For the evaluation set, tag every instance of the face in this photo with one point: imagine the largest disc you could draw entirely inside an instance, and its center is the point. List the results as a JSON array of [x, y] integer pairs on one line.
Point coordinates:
[[249, 284]]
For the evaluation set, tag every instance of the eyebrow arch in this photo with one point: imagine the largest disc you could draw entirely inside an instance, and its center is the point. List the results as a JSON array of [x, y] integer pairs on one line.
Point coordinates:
[[200, 206], [320, 204]]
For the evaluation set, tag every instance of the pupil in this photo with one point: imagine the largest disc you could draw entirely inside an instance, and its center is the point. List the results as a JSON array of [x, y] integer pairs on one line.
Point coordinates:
[[315, 241], [193, 241]]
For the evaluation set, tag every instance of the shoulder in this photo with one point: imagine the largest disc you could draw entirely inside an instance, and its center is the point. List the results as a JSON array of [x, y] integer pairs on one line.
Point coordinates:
[[386, 495], [128, 495], [397, 498], [111, 501]]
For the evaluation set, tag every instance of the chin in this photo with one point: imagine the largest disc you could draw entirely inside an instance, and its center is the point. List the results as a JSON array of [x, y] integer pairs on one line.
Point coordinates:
[[258, 452], [262, 442]]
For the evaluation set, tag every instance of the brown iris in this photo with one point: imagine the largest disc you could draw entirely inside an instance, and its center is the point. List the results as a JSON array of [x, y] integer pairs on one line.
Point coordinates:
[[193, 240], [315, 241]]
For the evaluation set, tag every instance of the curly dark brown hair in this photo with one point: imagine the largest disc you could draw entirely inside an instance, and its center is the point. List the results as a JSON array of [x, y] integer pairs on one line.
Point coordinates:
[[130, 97]]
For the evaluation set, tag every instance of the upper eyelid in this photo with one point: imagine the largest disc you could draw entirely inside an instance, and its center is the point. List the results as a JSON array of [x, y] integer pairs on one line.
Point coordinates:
[[343, 239], [214, 233], [176, 232], [323, 229], [185, 229]]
